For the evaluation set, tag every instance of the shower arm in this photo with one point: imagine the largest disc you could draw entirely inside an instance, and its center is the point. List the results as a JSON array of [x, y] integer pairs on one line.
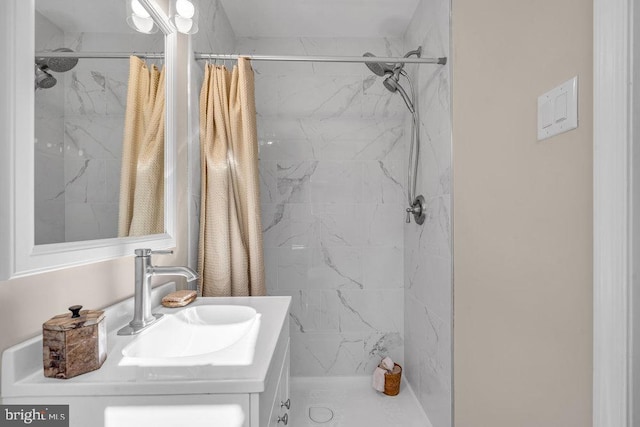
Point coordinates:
[[418, 54]]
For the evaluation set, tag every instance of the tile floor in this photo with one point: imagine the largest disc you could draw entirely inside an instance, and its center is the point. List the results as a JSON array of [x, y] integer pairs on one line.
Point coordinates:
[[352, 403]]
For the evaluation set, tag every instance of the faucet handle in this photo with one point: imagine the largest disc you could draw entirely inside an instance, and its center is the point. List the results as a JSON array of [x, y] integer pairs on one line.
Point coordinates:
[[149, 252], [163, 252]]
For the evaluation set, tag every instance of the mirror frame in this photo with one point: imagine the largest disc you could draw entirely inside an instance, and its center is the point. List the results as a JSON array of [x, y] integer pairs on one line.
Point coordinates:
[[19, 256]]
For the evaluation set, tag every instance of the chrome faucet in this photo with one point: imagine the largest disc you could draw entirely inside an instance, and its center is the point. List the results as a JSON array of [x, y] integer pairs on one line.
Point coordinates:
[[142, 316]]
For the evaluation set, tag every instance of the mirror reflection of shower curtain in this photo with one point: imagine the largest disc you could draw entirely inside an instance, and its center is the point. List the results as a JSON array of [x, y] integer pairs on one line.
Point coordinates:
[[142, 174], [230, 258]]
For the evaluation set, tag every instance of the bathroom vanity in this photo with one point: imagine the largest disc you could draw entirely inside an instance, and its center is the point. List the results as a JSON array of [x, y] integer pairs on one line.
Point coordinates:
[[161, 377]]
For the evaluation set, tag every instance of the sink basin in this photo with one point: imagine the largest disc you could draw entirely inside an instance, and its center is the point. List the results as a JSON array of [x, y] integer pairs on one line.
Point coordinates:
[[193, 331]]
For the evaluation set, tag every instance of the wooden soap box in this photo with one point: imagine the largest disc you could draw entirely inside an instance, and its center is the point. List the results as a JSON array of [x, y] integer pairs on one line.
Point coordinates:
[[74, 343]]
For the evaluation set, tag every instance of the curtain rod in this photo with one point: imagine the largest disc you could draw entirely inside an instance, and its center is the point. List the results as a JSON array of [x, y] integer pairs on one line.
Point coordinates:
[[288, 58], [294, 58], [100, 55]]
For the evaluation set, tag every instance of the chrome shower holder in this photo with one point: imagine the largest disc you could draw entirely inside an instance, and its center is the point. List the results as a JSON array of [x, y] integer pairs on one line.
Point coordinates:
[[418, 210]]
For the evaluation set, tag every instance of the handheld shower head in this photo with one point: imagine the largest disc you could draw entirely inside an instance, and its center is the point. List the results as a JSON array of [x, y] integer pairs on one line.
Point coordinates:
[[392, 80], [44, 80], [392, 83], [59, 65], [378, 68]]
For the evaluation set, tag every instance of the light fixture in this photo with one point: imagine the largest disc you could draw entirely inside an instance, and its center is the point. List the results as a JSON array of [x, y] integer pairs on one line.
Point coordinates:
[[139, 18], [183, 15]]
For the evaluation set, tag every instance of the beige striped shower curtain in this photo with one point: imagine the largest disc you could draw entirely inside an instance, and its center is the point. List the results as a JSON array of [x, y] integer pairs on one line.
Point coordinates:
[[142, 173], [230, 259]]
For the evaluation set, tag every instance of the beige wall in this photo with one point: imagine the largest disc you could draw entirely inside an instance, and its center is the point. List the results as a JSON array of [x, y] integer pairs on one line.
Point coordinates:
[[522, 216], [29, 301]]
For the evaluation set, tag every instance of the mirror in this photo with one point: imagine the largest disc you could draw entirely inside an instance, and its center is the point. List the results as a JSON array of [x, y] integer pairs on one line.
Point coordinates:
[[80, 106], [65, 126]]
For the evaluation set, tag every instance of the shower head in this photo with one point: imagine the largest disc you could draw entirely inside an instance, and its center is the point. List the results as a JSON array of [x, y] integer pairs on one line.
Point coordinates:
[[378, 68], [44, 80], [392, 83], [383, 68], [59, 65]]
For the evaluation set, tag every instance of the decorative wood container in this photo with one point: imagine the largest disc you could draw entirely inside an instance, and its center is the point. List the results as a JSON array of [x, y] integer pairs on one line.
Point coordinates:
[[74, 343], [392, 381]]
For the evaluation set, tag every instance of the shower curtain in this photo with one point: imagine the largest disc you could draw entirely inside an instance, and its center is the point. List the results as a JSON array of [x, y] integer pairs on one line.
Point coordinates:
[[142, 174], [230, 259]]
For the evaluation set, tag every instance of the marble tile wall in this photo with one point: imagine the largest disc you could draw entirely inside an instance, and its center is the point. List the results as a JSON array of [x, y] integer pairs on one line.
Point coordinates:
[[78, 160], [427, 248], [332, 150]]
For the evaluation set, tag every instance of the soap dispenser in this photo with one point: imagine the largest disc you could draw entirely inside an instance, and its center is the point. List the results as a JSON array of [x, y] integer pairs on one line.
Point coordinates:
[[74, 343]]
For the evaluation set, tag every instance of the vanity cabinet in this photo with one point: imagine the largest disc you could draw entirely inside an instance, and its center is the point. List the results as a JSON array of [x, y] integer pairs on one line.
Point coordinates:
[[228, 410], [244, 385]]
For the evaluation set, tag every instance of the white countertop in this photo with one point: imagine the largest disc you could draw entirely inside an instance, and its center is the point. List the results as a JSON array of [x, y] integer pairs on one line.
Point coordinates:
[[22, 371]]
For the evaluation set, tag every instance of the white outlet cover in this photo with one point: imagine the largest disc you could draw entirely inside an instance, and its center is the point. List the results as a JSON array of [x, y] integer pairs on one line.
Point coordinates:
[[558, 110]]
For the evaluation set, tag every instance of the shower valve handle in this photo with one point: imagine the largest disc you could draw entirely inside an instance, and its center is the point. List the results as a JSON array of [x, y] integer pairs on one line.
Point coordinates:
[[284, 419], [417, 209]]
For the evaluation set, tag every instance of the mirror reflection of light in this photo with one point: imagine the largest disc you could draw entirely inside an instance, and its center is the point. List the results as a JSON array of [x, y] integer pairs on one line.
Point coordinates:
[[174, 415], [143, 25], [184, 16], [184, 25]]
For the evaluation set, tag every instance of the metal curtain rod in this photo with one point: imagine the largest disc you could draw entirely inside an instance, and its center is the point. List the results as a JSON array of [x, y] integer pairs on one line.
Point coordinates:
[[294, 58], [100, 55], [287, 58]]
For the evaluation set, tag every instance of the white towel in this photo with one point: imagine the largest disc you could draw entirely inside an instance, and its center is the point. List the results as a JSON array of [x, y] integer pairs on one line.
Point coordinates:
[[378, 379], [387, 364]]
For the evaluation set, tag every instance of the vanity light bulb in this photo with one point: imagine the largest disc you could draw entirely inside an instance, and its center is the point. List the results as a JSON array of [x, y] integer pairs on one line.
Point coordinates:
[[185, 9], [140, 11]]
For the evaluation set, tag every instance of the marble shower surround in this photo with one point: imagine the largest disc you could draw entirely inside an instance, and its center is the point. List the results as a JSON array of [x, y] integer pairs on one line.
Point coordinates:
[[427, 249], [332, 149]]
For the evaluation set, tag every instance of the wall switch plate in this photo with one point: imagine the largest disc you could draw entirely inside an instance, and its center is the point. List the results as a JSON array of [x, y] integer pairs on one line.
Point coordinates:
[[558, 110]]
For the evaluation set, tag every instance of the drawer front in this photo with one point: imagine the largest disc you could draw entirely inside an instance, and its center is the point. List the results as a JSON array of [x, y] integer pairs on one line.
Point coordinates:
[[196, 410]]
